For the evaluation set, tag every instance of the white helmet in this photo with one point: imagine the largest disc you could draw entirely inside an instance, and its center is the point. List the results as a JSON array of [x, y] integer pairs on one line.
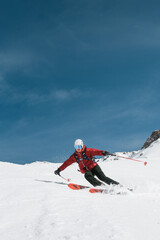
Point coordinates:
[[78, 142]]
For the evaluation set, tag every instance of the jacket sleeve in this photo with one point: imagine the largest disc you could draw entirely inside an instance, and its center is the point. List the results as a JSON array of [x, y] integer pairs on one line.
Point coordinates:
[[95, 152], [68, 162]]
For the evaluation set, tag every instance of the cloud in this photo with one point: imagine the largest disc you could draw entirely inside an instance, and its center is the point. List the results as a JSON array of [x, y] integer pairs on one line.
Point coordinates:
[[12, 95], [60, 95], [10, 60], [4, 87], [63, 95]]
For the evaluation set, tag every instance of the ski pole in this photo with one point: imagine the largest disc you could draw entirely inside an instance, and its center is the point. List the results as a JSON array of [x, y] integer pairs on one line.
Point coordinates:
[[67, 179], [145, 163]]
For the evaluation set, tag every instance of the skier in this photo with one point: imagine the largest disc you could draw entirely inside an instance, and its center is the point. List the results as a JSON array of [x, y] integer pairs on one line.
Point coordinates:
[[84, 157]]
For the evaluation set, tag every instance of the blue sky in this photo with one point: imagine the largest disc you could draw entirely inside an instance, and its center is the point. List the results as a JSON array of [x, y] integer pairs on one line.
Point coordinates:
[[77, 69]]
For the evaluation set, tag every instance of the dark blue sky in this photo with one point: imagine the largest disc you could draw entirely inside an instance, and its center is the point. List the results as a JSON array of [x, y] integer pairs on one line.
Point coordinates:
[[71, 69]]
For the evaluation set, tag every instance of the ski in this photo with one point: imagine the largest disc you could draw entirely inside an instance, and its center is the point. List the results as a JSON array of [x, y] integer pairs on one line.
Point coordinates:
[[96, 190], [111, 191], [77, 186], [105, 191]]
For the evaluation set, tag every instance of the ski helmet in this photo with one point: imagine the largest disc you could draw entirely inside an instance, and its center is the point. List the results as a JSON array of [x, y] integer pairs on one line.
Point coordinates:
[[78, 142]]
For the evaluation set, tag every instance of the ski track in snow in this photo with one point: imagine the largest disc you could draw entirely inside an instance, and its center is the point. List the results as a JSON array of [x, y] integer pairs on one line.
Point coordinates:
[[36, 205]]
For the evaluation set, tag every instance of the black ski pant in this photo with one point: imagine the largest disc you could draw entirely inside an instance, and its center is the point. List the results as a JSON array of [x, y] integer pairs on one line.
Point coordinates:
[[97, 171]]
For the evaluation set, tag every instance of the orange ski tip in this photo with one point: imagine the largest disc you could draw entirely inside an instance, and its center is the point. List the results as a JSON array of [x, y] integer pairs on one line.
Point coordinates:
[[73, 186], [76, 186], [94, 190]]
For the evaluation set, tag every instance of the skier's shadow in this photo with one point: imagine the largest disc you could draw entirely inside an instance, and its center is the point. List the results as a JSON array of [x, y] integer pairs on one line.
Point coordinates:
[[46, 181]]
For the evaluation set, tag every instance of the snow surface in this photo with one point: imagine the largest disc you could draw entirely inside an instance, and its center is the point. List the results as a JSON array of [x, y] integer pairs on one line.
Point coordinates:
[[35, 204]]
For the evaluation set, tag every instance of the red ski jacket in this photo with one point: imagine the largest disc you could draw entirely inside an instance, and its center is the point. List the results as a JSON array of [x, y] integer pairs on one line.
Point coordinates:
[[84, 164]]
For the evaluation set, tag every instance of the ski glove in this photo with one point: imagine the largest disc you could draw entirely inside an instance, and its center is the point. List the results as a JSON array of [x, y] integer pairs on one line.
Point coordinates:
[[57, 172], [105, 153]]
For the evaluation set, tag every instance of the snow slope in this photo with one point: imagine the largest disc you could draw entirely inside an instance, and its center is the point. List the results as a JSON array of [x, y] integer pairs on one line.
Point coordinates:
[[35, 204]]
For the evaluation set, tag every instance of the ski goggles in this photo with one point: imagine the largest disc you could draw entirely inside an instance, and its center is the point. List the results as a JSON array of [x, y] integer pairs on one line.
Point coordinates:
[[78, 147]]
